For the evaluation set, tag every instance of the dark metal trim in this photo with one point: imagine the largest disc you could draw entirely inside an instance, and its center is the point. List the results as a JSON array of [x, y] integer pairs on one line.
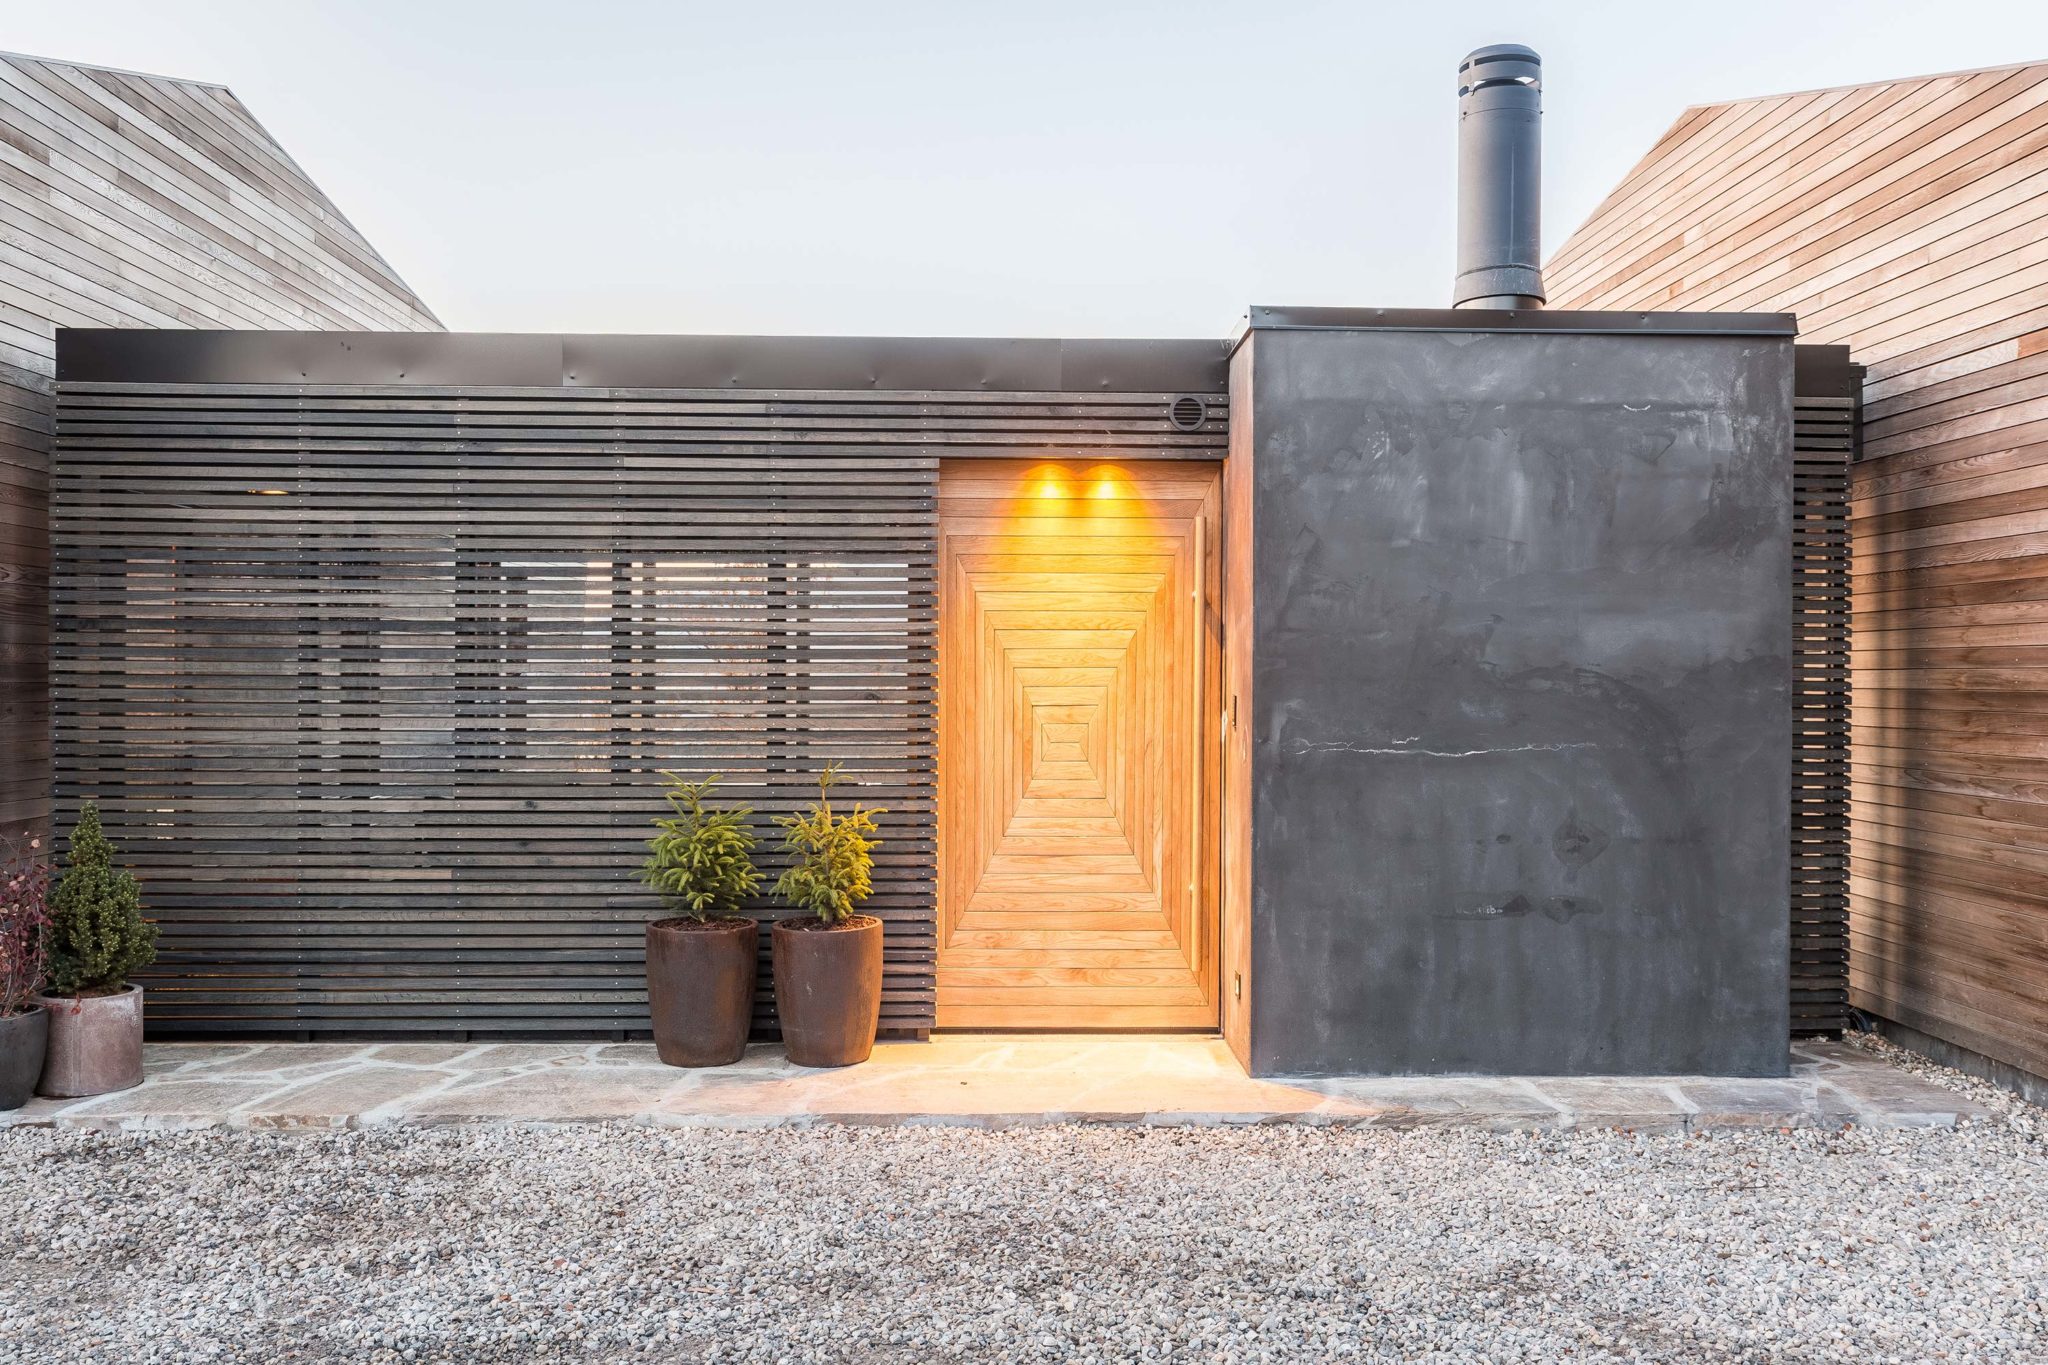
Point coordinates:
[[87, 355], [1264, 318], [1825, 372]]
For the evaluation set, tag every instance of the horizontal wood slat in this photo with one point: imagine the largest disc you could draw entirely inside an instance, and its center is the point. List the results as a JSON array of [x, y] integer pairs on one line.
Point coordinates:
[[373, 684], [1823, 443]]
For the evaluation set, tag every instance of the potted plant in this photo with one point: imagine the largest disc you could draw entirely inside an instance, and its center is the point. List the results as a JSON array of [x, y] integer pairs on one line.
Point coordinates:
[[828, 962], [701, 962], [97, 936], [24, 919]]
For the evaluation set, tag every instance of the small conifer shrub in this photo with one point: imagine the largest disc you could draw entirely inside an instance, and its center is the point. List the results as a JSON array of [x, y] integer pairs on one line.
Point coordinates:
[[97, 934], [702, 860], [831, 856]]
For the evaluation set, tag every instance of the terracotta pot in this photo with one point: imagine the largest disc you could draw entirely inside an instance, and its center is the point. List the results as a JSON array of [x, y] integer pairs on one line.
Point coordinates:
[[700, 988], [23, 1038], [95, 1043], [828, 988]]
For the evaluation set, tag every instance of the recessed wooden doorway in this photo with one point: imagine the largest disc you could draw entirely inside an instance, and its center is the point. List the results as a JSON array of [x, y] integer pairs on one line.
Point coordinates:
[[1079, 666]]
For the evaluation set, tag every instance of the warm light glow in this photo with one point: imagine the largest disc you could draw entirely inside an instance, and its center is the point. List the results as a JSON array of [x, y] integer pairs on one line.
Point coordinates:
[[1050, 481], [1110, 481], [1092, 492], [269, 492]]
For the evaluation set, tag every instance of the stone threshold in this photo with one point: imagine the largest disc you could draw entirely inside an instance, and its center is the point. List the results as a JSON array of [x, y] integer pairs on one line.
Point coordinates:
[[980, 1080]]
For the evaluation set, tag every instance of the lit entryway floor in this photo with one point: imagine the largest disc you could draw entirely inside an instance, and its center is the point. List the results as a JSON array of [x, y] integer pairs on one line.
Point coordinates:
[[984, 1080]]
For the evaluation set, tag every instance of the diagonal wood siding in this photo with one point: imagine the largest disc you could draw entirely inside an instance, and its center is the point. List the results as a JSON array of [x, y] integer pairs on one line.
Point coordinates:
[[1908, 220], [382, 743], [136, 201]]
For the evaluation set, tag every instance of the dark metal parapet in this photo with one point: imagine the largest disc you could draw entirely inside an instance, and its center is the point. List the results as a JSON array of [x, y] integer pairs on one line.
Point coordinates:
[[1500, 157], [934, 364], [1269, 317]]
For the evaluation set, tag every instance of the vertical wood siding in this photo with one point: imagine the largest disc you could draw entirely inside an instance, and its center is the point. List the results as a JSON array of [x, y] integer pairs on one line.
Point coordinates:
[[136, 201], [1908, 220], [383, 744]]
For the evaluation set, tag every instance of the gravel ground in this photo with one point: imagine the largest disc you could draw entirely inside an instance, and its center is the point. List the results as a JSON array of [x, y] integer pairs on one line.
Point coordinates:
[[1054, 1244]]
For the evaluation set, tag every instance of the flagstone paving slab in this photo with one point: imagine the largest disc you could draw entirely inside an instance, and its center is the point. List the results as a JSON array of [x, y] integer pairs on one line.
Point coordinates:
[[1748, 1104], [340, 1100], [984, 1080], [168, 1103]]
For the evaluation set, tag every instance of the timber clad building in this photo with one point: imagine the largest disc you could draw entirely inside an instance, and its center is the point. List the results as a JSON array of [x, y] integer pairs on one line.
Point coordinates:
[[1392, 691], [136, 201], [1907, 220]]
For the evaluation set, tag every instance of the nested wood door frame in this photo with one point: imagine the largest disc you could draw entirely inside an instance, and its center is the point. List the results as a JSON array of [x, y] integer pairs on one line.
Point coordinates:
[[1080, 664]]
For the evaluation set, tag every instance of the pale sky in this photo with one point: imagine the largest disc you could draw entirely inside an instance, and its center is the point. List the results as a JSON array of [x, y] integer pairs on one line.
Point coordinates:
[[957, 168]]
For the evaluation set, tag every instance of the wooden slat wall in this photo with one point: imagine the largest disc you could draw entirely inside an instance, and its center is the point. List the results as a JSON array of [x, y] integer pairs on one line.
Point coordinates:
[[382, 745], [1909, 220], [136, 201], [1823, 443]]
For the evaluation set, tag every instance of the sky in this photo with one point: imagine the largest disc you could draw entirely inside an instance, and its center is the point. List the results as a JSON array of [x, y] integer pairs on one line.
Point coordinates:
[[960, 168]]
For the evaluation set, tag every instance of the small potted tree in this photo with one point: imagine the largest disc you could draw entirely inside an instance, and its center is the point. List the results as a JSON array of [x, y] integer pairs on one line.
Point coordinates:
[[97, 936], [24, 921], [828, 961], [701, 961]]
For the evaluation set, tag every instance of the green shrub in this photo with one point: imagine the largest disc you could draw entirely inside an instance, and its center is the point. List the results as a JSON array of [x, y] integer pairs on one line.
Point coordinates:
[[832, 857], [702, 861], [97, 933]]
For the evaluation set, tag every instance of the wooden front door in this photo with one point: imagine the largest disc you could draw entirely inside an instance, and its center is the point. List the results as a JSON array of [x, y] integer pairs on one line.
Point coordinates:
[[1078, 666]]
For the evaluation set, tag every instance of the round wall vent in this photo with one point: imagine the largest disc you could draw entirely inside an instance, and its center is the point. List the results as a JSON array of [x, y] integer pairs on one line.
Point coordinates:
[[1189, 411]]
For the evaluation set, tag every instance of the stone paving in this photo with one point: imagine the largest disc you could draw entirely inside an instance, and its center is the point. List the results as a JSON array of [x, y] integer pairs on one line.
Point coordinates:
[[982, 1080]]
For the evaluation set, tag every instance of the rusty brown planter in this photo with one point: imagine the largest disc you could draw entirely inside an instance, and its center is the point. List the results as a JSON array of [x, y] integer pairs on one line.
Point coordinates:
[[23, 1038], [828, 988], [700, 988], [95, 1043]]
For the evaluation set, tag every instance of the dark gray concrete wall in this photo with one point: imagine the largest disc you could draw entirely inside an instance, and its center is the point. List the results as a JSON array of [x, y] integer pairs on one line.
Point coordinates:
[[1521, 698]]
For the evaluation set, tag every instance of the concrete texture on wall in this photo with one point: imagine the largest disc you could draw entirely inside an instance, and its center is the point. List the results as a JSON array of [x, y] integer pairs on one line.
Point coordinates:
[[1520, 702]]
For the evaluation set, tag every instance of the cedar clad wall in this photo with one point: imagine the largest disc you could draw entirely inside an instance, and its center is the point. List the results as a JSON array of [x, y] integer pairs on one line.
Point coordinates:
[[135, 201], [1908, 220]]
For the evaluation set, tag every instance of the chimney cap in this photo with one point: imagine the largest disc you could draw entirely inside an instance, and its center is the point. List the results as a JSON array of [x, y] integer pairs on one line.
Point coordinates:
[[1493, 50], [1500, 64]]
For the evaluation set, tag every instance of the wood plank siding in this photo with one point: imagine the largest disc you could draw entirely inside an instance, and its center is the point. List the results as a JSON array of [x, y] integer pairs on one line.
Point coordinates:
[[136, 201], [1907, 220], [383, 743]]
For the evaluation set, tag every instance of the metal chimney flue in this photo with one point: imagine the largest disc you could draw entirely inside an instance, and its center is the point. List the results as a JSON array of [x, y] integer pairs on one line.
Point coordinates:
[[1500, 178]]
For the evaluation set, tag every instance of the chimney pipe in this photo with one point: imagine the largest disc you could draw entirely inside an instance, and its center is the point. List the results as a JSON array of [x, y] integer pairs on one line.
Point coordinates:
[[1500, 149]]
